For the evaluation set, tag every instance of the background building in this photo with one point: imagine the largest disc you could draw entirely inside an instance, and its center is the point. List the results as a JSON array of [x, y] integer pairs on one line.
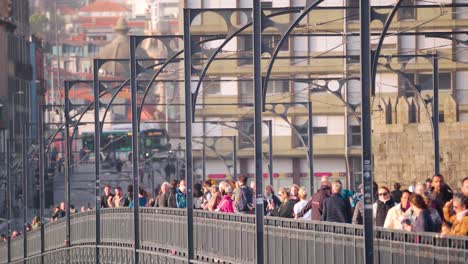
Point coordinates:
[[337, 138]]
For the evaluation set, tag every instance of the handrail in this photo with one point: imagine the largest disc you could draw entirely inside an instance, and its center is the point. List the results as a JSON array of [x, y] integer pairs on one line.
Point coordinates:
[[230, 238]]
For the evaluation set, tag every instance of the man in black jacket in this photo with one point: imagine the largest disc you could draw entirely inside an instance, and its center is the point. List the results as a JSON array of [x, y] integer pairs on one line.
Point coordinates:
[[245, 196], [316, 202], [440, 193], [170, 196], [336, 208]]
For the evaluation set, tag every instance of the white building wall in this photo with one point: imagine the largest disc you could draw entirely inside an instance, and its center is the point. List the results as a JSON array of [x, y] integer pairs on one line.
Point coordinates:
[[386, 83], [228, 88], [336, 125]]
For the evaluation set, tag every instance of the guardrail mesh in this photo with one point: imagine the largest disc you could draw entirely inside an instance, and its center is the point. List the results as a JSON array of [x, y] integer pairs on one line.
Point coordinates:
[[229, 238]]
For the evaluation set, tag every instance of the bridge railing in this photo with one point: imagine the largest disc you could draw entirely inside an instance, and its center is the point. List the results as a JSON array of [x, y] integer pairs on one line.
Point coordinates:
[[230, 238]]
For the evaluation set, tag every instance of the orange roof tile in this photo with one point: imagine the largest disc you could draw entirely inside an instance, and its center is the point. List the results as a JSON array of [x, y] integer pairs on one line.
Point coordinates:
[[104, 6]]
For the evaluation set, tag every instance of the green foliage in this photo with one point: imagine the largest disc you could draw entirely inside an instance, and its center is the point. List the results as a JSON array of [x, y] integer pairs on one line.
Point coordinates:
[[39, 24]]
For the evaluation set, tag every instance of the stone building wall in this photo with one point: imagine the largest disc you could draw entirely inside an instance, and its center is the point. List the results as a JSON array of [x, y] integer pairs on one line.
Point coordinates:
[[403, 151]]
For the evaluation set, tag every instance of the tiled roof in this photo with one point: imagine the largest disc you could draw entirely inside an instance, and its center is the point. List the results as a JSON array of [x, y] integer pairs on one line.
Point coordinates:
[[104, 6], [99, 22]]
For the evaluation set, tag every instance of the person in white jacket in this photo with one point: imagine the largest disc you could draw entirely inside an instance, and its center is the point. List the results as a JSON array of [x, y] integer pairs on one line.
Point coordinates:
[[398, 213]]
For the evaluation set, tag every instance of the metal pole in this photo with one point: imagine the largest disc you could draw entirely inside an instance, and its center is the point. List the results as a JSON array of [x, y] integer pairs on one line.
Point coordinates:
[[97, 155], [310, 146], [9, 203], [204, 159], [435, 112], [188, 131], [366, 130], [258, 105], [270, 151], [41, 177], [25, 186], [234, 157], [67, 162], [177, 175], [135, 150]]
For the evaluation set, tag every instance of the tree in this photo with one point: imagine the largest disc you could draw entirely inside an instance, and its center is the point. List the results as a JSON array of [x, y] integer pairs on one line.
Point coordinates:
[[39, 25]]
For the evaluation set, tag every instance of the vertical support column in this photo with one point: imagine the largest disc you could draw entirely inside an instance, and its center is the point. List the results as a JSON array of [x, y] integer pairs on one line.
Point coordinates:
[[97, 155], [435, 112], [270, 151], [258, 105], [204, 159], [9, 192], [234, 157], [42, 163], [366, 130], [25, 187], [67, 162], [310, 146], [135, 150], [188, 131]]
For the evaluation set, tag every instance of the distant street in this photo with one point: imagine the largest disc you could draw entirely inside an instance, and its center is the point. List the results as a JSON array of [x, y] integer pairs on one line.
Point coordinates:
[[83, 183]]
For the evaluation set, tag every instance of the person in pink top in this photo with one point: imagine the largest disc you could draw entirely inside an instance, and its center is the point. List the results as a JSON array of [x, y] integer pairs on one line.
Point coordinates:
[[226, 205]]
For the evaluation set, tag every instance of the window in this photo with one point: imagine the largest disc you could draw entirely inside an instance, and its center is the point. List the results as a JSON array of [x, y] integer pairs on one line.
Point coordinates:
[[319, 127], [407, 12], [246, 135], [425, 81], [302, 130], [355, 135], [245, 45], [273, 41], [352, 11], [406, 84], [278, 86], [441, 117], [245, 92], [212, 87], [413, 112], [267, 4], [388, 113], [356, 170]]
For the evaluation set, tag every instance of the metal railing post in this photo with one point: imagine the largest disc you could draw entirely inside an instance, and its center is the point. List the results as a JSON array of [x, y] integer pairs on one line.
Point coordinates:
[[188, 130], [67, 163], [435, 112], [42, 163], [234, 157], [366, 129], [258, 107], [97, 155], [135, 150], [270, 151], [9, 203], [310, 146], [25, 186]]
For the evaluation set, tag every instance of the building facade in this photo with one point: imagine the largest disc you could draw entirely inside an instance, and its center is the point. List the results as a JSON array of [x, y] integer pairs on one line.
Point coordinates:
[[313, 63]]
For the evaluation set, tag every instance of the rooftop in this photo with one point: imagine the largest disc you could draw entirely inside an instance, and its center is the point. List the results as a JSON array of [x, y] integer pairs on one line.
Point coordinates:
[[104, 6]]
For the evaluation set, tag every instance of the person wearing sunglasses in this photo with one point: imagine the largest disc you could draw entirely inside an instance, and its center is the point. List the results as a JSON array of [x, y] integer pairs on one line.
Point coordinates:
[[382, 205]]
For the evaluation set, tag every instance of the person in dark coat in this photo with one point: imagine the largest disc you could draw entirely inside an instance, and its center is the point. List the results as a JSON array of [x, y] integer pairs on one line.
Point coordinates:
[[382, 206], [316, 202], [287, 205], [245, 196], [396, 193], [440, 193], [170, 195], [105, 197], [335, 208]]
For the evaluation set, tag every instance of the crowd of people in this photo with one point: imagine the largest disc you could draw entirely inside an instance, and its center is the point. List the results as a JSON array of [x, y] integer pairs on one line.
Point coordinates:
[[424, 207]]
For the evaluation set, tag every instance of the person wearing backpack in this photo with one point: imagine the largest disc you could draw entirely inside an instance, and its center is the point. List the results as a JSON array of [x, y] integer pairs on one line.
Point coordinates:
[[245, 196]]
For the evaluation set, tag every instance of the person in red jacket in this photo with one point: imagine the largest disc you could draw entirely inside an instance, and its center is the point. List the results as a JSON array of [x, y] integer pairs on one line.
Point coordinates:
[[316, 202]]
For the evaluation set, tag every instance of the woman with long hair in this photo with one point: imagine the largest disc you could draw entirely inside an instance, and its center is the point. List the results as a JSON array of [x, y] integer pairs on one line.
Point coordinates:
[[422, 218]]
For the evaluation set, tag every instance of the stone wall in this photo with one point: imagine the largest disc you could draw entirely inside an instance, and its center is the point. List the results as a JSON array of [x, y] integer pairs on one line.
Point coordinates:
[[404, 152]]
